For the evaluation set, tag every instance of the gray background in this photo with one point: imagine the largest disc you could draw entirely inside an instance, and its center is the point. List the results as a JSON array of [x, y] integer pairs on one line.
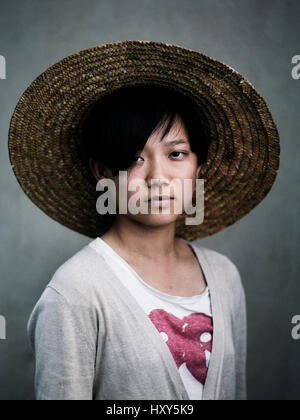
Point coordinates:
[[257, 38]]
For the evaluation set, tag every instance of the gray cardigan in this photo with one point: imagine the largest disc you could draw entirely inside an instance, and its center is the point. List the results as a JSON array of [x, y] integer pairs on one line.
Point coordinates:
[[93, 341]]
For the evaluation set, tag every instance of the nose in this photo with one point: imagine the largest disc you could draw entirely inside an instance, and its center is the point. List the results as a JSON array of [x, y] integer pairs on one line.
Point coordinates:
[[155, 173]]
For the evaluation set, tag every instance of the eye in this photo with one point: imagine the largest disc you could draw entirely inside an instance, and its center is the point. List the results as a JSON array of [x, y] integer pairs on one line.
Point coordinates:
[[183, 153]]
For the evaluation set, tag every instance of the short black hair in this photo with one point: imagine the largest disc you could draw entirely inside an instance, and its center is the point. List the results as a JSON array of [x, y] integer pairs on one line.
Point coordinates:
[[119, 124]]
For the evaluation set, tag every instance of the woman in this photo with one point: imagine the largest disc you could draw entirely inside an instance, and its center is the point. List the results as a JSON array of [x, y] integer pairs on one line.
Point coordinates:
[[141, 312]]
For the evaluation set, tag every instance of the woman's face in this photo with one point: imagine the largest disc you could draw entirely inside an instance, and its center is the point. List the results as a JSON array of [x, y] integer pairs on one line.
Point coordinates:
[[167, 164]]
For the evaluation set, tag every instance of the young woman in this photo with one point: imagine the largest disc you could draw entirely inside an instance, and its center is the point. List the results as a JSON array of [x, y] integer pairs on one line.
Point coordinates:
[[141, 312]]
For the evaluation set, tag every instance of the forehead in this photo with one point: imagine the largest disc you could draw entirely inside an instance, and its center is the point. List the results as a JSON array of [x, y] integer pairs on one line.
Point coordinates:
[[176, 136]]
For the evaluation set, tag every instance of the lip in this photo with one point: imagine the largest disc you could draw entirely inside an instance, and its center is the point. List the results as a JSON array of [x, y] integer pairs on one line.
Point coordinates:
[[161, 198], [160, 203]]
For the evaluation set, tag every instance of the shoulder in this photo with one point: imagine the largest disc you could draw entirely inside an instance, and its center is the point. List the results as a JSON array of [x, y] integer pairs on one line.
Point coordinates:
[[219, 261], [222, 262], [73, 294], [225, 274], [78, 277], [67, 310]]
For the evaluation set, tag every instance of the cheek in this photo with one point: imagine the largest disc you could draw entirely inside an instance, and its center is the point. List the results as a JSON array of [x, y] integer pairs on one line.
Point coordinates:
[[130, 180], [190, 174], [136, 184], [188, 187]]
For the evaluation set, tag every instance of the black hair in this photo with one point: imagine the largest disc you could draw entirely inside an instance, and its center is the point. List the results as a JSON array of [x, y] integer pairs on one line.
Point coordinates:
[[119, 125]]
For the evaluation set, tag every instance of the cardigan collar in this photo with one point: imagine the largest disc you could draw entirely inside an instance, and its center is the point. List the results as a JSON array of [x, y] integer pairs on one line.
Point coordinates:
[[211, 388]]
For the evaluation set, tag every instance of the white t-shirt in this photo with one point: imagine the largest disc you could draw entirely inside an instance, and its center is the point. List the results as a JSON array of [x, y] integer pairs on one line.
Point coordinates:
[[185, 323]]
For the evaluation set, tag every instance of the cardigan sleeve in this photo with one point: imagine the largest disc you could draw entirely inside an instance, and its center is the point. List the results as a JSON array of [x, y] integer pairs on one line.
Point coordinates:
[[64, 358], [240, 340]]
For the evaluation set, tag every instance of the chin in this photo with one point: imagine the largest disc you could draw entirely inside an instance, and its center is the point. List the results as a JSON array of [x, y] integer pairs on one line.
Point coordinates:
[[155, 220]]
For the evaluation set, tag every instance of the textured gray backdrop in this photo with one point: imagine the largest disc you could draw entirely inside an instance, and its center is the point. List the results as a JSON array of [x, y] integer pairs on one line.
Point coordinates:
[[257, 38]]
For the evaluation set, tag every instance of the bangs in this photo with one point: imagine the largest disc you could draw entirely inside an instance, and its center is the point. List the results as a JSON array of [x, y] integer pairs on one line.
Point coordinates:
[[120, 124]]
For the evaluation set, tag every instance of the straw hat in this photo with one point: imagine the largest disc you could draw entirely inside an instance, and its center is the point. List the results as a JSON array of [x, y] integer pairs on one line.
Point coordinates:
[[243, 158]]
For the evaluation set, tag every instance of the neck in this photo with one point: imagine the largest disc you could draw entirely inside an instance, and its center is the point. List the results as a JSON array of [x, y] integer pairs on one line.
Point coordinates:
[[155, 243]]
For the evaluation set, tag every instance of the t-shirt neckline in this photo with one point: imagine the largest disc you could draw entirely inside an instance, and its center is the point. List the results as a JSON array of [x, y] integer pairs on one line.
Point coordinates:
[[172, 298]]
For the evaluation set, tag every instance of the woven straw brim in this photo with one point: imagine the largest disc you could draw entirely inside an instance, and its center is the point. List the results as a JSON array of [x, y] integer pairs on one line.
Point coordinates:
[[43, 137]]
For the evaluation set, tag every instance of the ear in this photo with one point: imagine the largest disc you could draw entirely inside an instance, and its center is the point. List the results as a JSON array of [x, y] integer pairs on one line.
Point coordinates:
[[198, 171], [95, 168]]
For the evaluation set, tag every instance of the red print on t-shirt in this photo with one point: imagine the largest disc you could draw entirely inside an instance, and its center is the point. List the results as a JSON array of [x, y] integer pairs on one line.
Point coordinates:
[[188, 339]]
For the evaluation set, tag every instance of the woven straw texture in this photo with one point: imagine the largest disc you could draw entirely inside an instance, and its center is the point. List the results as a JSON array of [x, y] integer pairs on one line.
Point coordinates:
[[43, 137]]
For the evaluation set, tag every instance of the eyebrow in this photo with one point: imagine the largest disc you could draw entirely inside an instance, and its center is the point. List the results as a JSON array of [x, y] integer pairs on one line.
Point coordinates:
[[175, 142], [172, 143]]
